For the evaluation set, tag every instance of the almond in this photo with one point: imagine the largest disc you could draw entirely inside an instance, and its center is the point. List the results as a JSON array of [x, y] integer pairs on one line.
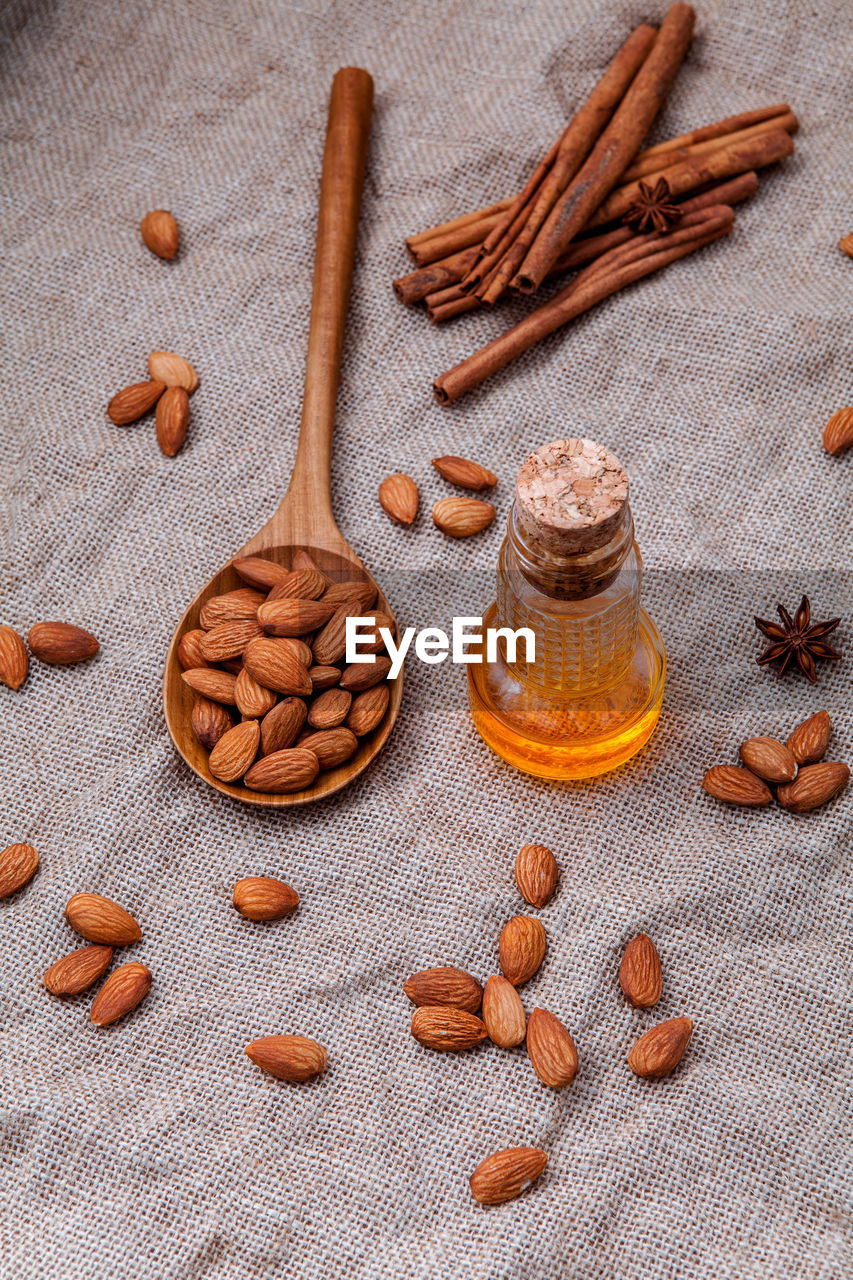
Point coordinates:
[[302, 584], [133, 402], [733, 785], [536, 874], [466, 474], [189, 651], [121, 993], [216, 685], [18, 864], [302, 560], [462, 517], [846, 245], [276, 666], [160, 233], [14, 661], [101, 920], [330, 643], [324, 678], [210, 721], [259, 572], [446, 1028], [660, 1050], [809, 740], [522, 949], [172, 420], [228, 639], [838, 432], [235, 751], [504, 1175], [769, 759], [286, 771], [61, 643], [444, 985], [368, 709], [253, 700], [78, 971], [503, 1013], [294, 617], [814, 785], [331, 746], [172, 369], [551, 1050], [640, 972], [363, 593], [359, 676], [280, 727], [398, 496], [330, 709], [263, 898], [294, 1058]]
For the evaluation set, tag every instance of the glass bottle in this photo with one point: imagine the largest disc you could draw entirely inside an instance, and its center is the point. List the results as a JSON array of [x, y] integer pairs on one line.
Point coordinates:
[[570, 571]]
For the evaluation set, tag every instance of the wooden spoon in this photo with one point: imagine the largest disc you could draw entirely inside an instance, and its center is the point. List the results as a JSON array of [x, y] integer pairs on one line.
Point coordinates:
[[304, 520]]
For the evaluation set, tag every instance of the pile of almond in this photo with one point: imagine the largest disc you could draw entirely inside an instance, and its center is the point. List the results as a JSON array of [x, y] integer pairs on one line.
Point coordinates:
[[272, 652], [457, 517], [57, 643], [454, 1012], [105, 925], [171, 382], [796, 768]]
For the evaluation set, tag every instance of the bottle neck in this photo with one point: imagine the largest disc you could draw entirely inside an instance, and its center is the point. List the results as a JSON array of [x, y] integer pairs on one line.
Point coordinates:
[[574, 576]]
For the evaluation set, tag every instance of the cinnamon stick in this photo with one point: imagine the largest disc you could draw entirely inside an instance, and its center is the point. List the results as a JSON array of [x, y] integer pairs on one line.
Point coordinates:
[[417, 285], [731, 124], [439, 246], [652, 165], [476, 215], [438, 312], [575, 299], [613, 153]]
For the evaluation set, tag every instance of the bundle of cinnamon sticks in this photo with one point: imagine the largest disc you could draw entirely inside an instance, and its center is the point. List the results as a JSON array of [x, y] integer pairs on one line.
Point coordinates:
[[597, 201]]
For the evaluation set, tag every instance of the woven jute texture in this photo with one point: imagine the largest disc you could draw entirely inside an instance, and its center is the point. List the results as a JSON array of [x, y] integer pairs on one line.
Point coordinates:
[[156, 1149]]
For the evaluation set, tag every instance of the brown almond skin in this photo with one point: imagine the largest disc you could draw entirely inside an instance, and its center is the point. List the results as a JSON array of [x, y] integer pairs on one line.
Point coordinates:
[[733, 785], [331, 746], [398, 497], [18, 865], [159, 232], [659, 1051], [503, 1013], [234, 606], [444, 985], [640, 974], [210, 721], [276, 667], [462, 517], [123, 990], [521, 949], [838, 432], [172, 420], [61, 643], [368, 709], [253, 700], [330, 643], [229, 639], [294, 617], [293, 1058], [536, 874], [330, 709], [78, 971], [299, 584], [281, 727], [809, 741], [14, 659], [216, 685], [360, 594], [283, 772], [815, 785], [133, 402], [189, 650], [323, 678], [769, 759], [551, 1049], [464, 473], [504, 1175], [174, 370], [259, 572], [446, 1028], [235, 751], [359, 676], [264, 898], [99, 919]]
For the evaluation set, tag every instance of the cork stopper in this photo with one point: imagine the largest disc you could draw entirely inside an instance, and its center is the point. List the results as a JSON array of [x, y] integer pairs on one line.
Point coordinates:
[[572, 496]]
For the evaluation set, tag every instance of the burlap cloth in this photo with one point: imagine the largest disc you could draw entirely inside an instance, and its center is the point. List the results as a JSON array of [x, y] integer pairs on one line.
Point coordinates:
[[156, 1148]]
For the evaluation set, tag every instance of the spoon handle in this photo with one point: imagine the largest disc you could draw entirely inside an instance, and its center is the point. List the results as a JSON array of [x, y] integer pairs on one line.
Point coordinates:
[[308, 504]]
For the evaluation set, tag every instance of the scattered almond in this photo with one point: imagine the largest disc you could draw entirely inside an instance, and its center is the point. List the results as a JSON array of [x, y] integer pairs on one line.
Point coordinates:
[[292, 616], [504, 1175], [446, 1028], [133, 402], [160, 233], [733, 785], [845, 244], [769, 759], [444, 985], [78, 971], [276, 666], [172, 420], [522, 949], [359, 676], [815, 785], [259, 572], [368, 709], [264, 898], [503, 1013], [466, 474], [330, 709], [809, 741], [99, 919], [640, 972], [660, 1050], [286, 771], [61, 643], [398, 496], [294, 1058], [173, 370], [211, 683], [14, 660], [123, 990], [551, 1049], [536, 874], [210, 721], [235, 751], [331, 746], [462, 517], [18, 865], [838, 432], [280, 727]]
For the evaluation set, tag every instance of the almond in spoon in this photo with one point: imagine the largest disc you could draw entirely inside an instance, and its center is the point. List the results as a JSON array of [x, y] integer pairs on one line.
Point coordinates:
[[210, 721], [235, 751]]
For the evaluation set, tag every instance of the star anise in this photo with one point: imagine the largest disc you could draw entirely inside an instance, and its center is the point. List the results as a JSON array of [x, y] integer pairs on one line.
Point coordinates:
[[653, 210], [797, 639]]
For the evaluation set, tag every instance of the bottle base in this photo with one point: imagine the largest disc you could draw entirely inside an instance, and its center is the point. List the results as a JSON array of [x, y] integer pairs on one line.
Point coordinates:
[[566, 739]]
